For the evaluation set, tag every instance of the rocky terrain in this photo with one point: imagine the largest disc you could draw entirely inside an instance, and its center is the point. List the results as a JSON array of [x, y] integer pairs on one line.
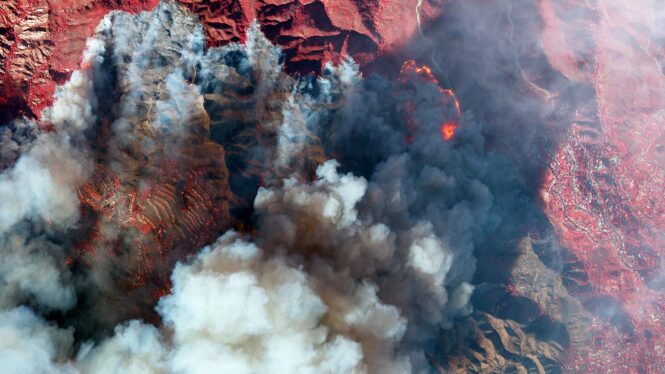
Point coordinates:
[[525, 326], [40, 45], [502, 346], [41, 41]]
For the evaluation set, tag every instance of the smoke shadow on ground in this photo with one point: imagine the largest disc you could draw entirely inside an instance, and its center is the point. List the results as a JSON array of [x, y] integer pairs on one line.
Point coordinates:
[[491, 55]]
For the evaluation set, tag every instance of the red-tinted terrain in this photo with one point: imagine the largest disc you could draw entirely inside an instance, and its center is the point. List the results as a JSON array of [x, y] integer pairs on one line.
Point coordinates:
[[603, 189], [40, 45], [41, 40]]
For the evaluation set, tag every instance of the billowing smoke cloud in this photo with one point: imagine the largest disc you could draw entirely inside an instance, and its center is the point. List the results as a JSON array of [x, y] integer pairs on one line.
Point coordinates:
[[355, 267], [32, 268], [38, 190], [410, 265], [39, 201], [16, 137], [41, 184], [568, 88], [31, 345], [493, 57], [234, 309]]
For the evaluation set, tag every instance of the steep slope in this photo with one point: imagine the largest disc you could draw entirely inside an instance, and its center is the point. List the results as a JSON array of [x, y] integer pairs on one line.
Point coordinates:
[[41, 40], [40, 45]]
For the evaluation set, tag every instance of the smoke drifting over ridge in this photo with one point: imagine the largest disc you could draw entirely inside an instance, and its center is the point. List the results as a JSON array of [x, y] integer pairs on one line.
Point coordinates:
[[355, 230], [572, 91], [39, 197]]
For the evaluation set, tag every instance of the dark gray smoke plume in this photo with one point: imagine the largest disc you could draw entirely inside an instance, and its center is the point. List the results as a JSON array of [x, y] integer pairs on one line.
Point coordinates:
[[360, 241]]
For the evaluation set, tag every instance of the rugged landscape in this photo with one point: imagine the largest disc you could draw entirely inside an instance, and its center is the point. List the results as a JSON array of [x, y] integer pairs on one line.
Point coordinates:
[[579, 290], [41, 41], [605, 187]]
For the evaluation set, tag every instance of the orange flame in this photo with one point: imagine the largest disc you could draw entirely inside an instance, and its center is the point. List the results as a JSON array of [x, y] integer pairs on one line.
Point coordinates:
[[448, 130], [425, 73], [411, 70]]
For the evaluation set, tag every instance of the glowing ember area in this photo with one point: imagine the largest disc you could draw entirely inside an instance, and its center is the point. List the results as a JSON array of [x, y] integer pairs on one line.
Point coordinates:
[[411, 72], [448, 130]]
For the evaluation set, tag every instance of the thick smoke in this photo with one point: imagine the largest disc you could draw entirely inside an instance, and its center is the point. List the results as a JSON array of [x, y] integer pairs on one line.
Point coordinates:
[[31, 345], [354, 268], [41, 184], [492, 56], [39, 202], [32, 268], [234, 309], [580, 79], [38, 191]]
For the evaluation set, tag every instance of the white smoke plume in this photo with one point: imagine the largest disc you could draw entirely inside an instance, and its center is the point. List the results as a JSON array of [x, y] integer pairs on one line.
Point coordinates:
[[31, 268], [233, 309], [39, 196], [237, 308], [41, 184], [30, 345]]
